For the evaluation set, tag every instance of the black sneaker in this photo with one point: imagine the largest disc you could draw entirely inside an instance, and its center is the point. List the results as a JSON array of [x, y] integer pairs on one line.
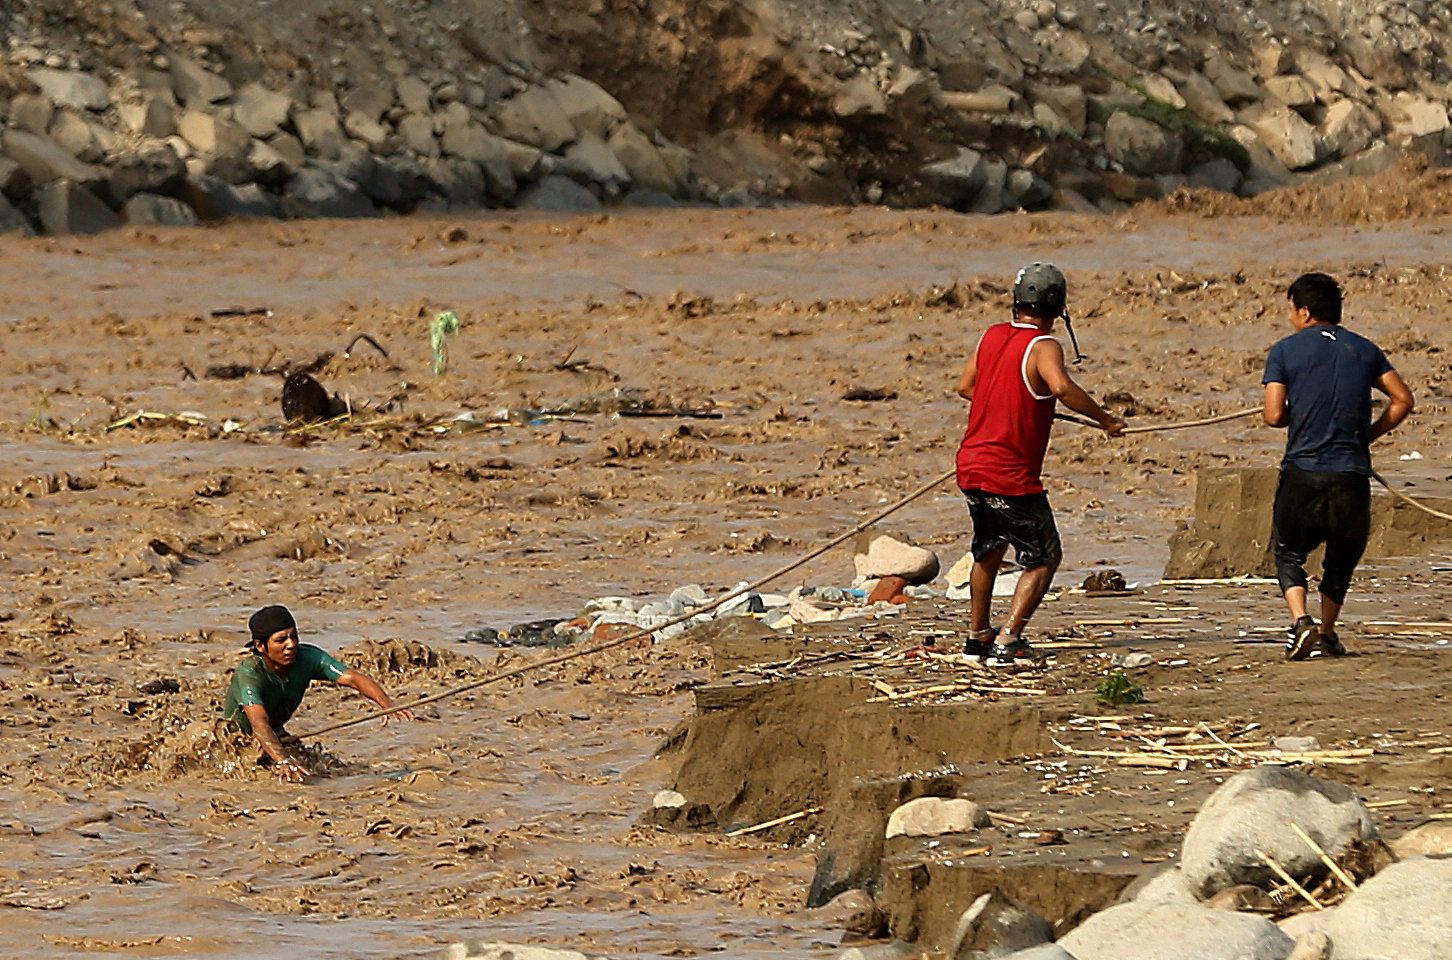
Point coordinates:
[[979, 644], [1303, 640], [1332, 646], [1016, 651]]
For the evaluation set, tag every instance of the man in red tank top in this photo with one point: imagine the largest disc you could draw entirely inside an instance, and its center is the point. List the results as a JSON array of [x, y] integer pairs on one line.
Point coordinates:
[[1012, 382]]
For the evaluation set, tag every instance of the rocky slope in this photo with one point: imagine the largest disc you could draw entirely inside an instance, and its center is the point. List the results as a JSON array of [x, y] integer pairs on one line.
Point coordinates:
[[144, 111]]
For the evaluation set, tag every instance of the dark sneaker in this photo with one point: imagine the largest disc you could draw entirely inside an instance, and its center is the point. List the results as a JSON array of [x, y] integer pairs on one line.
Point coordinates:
[[1332, 646], [1304, 637], [980, 644], [1016, 651]]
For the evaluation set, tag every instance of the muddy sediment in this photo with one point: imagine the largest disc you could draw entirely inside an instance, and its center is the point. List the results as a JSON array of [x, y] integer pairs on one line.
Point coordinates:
[[134, 555]]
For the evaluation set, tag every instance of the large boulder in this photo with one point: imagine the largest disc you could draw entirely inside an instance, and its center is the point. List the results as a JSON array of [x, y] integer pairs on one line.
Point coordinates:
[[215, 199], [1289, 137], [641, 159], [535, 117], [32, 112], [215, 136], [557, 194], [1142, 146], [469, 141], [1138, 931], [1403, 913], [994, 926], [195, 86], [148, 209], [417, 131], [1427, 840], [1048, 951], [72, 88], [152, 115], [590, 159], [587, 106], [936, 816], [321, 192], [1418, 116], [877, 555], [1253, 811], [44, 160], [958, 179], [859, 97], [262, 112], [151, 168], [320, 133], [12, 221], [372, 99], [69, 207], [1202, 98], [1349, 128], [1234, 85]]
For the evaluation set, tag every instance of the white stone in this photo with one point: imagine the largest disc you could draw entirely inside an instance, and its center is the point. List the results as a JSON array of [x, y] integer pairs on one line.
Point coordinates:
[[1402, 913], [878, 555], [936, 816], [1175, 931]]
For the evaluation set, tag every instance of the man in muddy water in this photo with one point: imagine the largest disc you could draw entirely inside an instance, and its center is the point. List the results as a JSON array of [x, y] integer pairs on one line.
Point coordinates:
[[1318, 383], [269, 685], [1012, 381]]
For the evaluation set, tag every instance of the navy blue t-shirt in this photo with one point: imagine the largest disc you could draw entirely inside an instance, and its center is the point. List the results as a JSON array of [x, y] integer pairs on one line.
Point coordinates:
[[1329, 373]]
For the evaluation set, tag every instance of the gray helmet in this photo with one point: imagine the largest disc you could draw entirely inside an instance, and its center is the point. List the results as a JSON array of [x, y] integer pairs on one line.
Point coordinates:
[[1041, 289]]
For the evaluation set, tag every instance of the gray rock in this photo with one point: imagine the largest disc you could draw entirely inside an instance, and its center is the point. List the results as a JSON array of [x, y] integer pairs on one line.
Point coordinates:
[[367, 131], [646, 198], [269, 166], [525, 162], [1429, 839], [1313, 946], [641, 160], [494, 950], [1068, 101], [76, 137], [1202, 98], [319, 192], [859, 97], [151, 168], [371, 100], [991, 198], [1233, 84], [152, 210], [14, 181], [1349, 128], [936, 816], [72, 88], [1289, 137], [417, 131], [1027, 189], [12, 221], [1049, 951], [473, 143], [415, 95], [1218, 174], [591, 158], [893, 950], [958, 179], [154, 115], [262, 112], [215, 199], [994, 926], [43, 160], [878, 555], [214, 135], [195, 86], [32, 112], [320, 133], [1265, 167], [290, 148], [1253, 811], [1291, 90], [1142, 146], [1399, 914], [66, 206], [557, 194], [1139, 931], [460, 183], [587, 106], [1418, 116], [536, 118], [1167, 886], [399, 183]]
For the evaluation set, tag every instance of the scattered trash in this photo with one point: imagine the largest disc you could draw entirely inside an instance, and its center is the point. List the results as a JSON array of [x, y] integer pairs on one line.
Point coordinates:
[[1105, 581], [186, 418], [1414, 455], [1116, 690]]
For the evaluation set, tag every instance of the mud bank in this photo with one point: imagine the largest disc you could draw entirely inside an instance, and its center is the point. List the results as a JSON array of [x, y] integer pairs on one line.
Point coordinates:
[[1230, 535]]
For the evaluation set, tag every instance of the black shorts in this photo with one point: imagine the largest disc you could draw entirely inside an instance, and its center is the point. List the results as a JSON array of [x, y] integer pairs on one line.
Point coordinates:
[[1025, 523], [1312, 509]]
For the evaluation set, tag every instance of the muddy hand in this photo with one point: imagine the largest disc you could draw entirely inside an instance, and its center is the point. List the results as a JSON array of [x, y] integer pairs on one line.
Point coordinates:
[[401, 715], [290, 771], [1114, 426]]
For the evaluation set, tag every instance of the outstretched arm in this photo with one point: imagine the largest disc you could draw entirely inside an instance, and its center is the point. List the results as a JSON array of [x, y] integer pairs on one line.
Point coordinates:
[[1047, 362], [1400, 407], [370, 688], [1275, 413], [287, 769]]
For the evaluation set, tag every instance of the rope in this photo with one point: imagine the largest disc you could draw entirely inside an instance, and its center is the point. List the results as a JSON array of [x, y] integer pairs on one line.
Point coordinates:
[[758, 584], [1408, 500], [642, 632]]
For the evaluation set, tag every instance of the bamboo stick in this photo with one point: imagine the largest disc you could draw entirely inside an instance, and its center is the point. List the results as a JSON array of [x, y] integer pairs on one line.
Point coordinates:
[[1289, 880], [743, 831], [1331, 865], [1161, 763]]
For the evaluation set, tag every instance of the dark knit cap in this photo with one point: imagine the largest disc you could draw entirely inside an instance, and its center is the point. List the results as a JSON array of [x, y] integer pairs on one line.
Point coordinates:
[[269, 620]]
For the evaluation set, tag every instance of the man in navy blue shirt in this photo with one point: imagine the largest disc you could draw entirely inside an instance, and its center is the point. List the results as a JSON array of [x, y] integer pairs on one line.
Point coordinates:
[[1318, 382]]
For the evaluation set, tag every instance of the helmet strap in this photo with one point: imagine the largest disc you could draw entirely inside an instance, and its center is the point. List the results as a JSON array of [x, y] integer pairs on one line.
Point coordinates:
[[1069, 326]]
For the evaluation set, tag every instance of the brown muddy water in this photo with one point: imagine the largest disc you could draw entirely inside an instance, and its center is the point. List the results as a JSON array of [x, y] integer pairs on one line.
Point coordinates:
[[513, 814]]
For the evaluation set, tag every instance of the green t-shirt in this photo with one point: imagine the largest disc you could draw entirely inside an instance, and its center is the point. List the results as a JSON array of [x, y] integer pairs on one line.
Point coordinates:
[[255, 685]]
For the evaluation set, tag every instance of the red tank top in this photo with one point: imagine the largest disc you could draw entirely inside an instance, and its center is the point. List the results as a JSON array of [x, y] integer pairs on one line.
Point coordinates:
[[1008, 425]]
